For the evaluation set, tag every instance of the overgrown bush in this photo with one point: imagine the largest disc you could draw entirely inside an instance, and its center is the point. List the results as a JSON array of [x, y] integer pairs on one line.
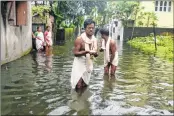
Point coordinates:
[[69, 33], [147, 46]]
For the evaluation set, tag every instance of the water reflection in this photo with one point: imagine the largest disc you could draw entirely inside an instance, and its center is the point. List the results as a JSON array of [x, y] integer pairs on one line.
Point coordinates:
[[48, 61], [109, 81], [44, 60], [79, 101]]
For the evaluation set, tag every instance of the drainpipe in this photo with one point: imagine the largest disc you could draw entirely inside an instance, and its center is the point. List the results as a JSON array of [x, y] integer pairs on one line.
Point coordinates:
[[154, 35]]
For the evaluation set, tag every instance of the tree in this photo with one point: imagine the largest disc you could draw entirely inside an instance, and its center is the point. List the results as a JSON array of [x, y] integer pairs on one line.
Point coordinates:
[[41, 11], [122, 10], [74, 11], [148, 17]]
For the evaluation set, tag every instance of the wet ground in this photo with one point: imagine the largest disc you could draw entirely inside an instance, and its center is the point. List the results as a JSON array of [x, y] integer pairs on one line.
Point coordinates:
[[40, 85]]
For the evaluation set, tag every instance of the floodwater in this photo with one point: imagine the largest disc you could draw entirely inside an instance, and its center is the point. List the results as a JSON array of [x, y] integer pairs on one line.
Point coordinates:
[[37, 84]]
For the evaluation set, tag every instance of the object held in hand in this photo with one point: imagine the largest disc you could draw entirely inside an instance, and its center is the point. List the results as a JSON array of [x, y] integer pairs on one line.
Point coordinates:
[[92, 51], [101, 50]]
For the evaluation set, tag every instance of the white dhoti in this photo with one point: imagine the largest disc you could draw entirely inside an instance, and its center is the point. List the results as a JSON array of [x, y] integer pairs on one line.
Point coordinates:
[[107, 55], [83, 66], [79, 70]]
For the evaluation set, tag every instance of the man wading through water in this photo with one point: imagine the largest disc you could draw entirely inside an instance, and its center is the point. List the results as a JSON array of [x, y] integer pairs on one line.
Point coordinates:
[[85, 48], [110, 52]]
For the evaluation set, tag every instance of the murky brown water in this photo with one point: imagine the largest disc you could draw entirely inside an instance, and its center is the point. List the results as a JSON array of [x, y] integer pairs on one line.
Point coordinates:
[[36, 84]]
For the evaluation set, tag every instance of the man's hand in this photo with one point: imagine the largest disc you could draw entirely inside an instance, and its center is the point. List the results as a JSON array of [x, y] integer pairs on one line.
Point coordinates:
[[101, 50], [109, 63], [95, 54], [87, 52]]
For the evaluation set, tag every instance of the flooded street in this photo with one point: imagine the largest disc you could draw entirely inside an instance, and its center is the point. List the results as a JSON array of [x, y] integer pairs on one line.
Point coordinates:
[[40, 85]]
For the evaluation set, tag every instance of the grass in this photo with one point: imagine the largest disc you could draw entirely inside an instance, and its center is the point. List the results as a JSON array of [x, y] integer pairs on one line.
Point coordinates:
[[147, 46]]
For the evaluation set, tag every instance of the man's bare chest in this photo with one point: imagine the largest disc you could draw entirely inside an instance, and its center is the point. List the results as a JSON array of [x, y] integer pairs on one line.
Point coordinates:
[[83, 46]]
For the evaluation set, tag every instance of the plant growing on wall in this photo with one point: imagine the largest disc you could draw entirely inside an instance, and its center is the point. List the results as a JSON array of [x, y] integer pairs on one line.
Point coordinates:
[[147, 19], [40, 11]]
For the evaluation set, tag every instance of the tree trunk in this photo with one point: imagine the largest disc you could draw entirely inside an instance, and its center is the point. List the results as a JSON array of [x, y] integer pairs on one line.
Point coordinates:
[[104, 18], [134, 24], [35, 3], [148, 21]]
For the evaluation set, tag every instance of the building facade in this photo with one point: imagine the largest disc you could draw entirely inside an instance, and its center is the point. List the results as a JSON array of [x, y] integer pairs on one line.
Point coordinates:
[[16, 29], [163, 10]]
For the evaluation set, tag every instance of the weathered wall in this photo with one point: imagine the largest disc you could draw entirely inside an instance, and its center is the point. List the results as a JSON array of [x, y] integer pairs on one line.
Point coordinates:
[[16, 41], [143, 31]]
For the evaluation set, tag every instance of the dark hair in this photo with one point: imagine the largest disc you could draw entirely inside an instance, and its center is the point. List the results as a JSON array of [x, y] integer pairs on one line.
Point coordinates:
[[47, 27], [38, 27], [104, 31], [88, 22]]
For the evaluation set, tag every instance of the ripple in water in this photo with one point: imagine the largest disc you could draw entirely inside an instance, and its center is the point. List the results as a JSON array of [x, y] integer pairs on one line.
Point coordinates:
[[40, 85]]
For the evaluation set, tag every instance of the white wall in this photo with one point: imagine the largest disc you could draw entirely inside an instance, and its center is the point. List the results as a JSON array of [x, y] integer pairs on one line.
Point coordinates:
[[16, 41], [165, 19]]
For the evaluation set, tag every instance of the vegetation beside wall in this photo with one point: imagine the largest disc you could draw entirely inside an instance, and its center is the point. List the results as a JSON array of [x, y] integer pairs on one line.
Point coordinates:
[[69, 33], [147, 45]]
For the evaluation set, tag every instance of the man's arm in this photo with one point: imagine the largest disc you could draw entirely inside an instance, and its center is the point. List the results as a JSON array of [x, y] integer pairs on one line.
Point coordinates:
[[113, 50], [77, 46], [101, 45]]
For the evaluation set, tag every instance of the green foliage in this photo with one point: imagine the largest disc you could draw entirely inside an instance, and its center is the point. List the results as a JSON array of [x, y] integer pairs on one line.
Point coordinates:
[[146, 45], [69, 33], [59, 12], [148, 18], [63, 25], [123, 10], [74, 11], [41, 11], [72, 26]]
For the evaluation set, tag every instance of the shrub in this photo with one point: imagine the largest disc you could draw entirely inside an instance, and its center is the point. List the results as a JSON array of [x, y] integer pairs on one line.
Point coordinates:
[[147, 46]]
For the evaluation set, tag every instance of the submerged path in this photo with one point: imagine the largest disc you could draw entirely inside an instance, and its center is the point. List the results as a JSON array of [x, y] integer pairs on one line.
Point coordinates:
[[36, 84]]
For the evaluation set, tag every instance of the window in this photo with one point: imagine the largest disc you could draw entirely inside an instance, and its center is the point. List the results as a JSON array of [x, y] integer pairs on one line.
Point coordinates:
[[116, 23], [114, 30], [156, 5], [17, 13], [163, 6], [169, 7]]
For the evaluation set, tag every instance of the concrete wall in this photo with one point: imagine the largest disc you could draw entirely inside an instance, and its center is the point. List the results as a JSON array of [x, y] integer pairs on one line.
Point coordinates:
[[143, 31], [118, 30], [16, 41]]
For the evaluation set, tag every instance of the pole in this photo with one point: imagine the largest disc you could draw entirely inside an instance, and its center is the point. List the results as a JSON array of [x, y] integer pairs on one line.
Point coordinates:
[[154, 36]]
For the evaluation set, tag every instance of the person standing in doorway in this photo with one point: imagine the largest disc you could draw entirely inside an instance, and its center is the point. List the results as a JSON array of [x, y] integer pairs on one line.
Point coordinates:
[[85, 48], [110, 52], [40, 42], [48, 38]]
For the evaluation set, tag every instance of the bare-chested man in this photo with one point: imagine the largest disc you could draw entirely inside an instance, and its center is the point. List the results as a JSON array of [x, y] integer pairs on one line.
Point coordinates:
[[110, 52], [85, 49]]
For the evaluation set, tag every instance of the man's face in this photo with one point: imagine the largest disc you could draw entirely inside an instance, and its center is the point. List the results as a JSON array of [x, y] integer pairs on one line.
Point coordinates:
[[90, 29]]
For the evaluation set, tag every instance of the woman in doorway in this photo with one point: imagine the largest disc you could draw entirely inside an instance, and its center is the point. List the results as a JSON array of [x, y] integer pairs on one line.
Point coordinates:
[[48, 39], [47, 36], [39, 39]]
